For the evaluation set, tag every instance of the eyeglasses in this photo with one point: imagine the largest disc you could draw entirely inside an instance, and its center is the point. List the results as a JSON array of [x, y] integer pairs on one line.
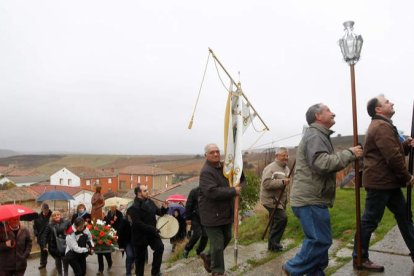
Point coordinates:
[[213, 152]]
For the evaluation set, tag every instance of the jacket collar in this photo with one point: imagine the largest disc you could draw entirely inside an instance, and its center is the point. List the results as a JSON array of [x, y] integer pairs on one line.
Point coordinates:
[[217, 166], [322, 129]]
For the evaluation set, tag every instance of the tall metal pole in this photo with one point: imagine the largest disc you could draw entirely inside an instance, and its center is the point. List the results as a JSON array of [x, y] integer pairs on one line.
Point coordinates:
[[357, 174]]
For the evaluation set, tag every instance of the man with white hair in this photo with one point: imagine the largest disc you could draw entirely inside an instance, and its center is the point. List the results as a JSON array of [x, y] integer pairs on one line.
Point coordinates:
[[216, 204], [274, 187]]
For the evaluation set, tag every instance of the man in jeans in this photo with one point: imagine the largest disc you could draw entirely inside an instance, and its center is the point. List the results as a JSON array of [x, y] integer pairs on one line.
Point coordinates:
[[385, 172], [215, 203], [313, 190]]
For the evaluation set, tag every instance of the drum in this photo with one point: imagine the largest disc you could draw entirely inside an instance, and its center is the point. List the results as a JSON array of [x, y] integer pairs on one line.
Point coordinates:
[[168, 226]]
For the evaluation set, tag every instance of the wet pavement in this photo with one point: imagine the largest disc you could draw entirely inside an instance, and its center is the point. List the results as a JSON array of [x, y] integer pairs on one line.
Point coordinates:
[[118, 267], [390, 252]]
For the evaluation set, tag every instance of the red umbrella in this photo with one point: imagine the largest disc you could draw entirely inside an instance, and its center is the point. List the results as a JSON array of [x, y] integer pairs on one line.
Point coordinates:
[[9, 211], [176, 198]]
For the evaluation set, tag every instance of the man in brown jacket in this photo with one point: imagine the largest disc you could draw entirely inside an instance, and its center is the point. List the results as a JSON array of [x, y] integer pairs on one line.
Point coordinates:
[[385, 173], [274, 183]]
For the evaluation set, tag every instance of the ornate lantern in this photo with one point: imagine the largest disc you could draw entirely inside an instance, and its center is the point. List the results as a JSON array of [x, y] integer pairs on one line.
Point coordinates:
[[351, 44]]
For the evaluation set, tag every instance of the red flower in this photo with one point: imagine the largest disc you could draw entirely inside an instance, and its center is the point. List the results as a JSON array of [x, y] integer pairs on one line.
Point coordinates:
[[96, 228], [107, 227], [101, 234], [100, 242], [89, 226], [108, 243]]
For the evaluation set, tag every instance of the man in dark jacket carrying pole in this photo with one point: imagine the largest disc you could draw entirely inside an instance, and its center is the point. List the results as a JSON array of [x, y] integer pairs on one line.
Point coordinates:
[[385, 173], [144, 232], [192, 216], [216, 203], [39, 226]]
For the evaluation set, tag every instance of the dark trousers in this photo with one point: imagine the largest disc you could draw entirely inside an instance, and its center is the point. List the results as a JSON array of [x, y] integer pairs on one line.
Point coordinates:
[[375, 204], [140, 251], [199, 233], [78, 264], [61, 262], [43, 256], [219, 237], [277, 227], [108, 258], [12, 272]]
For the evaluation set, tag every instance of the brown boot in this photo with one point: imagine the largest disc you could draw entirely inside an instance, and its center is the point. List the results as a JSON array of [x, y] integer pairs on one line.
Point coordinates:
[[207, 261], [368, 265]]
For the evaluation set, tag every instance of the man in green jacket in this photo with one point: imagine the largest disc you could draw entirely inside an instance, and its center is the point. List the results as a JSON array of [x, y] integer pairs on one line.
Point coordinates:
[[313, 190], [385, 173]]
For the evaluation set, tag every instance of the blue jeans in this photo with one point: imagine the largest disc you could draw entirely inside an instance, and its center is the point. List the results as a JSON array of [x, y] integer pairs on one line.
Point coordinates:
[[312, 258], [375, 203], [130, 258]]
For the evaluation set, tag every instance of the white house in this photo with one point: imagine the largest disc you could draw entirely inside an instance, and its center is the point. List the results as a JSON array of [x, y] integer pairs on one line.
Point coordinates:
[[65, 177], [84, 197]]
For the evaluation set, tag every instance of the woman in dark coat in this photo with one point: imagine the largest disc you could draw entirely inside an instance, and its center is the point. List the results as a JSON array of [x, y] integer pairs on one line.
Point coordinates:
[[15, 247], [81, 213], [60, 225]]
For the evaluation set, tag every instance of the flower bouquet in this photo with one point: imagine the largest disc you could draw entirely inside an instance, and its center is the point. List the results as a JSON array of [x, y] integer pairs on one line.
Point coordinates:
[[104, 237]]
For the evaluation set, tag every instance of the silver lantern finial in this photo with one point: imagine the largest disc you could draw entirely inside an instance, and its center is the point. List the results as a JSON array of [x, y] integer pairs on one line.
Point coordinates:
[[351, 44]]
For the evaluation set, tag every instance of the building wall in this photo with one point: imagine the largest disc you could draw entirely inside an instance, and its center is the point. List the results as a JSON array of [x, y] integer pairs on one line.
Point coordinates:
[[130, 181], [83, 197], [64, 177], [107, 184], [155, 183]]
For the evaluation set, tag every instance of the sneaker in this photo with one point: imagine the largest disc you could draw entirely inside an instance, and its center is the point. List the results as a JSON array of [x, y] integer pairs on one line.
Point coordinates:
[[368, 265], [185, 254], [207, 261]]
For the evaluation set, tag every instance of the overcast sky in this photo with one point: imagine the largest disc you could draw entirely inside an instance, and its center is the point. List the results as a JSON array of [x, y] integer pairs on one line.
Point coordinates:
[[122, 77]]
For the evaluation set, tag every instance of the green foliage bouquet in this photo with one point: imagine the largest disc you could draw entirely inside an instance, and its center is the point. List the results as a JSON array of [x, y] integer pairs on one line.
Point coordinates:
[[104, 236]]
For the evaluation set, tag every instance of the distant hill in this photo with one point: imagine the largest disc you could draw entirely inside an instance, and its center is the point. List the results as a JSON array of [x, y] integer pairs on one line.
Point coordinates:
[[7, 153], [48, 164]]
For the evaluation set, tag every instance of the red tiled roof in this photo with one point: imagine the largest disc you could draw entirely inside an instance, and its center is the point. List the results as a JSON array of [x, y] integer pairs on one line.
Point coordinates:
[[40, 189], [144, 170], [17, 194]]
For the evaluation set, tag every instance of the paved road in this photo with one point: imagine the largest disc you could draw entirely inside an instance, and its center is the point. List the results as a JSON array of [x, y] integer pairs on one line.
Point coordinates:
[[118, 267]]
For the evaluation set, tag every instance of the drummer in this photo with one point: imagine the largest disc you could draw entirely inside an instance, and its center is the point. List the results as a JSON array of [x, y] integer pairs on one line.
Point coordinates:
[[144, 232]]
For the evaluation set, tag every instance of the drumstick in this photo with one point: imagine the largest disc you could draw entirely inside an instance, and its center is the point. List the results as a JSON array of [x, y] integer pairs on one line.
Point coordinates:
[[163, 225]]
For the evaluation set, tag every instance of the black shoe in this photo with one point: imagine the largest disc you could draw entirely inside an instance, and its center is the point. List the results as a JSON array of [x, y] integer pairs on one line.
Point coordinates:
[[367, 265], [276, 248], [207, 262], [42, 266]]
